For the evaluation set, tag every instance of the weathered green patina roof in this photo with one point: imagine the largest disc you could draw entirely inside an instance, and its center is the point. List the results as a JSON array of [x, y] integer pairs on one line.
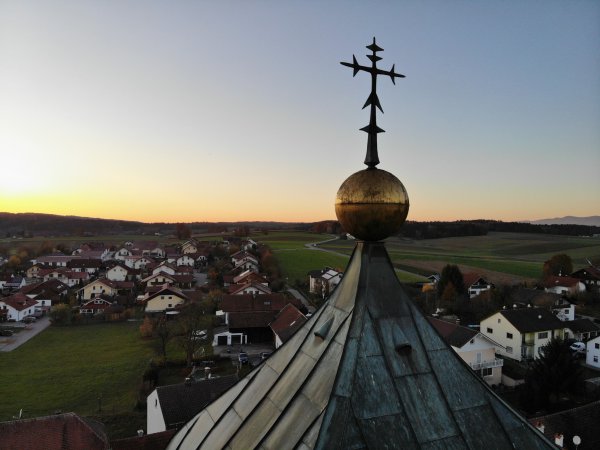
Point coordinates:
[[367, 371]]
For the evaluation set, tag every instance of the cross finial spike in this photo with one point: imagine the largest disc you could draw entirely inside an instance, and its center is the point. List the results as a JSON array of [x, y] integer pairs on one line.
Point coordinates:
[[372, 158]]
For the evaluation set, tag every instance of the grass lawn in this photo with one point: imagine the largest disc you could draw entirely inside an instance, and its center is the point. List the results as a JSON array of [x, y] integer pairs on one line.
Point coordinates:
[[68, 368]]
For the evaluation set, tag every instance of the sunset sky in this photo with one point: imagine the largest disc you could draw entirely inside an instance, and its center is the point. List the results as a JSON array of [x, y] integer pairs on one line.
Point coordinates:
[[239, 110]]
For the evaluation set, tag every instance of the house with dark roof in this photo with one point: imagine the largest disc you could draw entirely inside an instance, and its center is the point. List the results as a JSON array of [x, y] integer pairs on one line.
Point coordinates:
[[57, 432], [589, 276], [248, 317], [581, 329], [170, 407], [476, 349], [475, 284], [46, 293], [521, 332], [563, 426], [167, 298], [286, 323], [323, 281]]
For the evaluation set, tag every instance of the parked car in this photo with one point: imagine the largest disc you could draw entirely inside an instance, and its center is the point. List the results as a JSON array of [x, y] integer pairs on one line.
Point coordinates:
[[200, 334], [29, 319], [243, 357], [264, 355], [6, 332], [578, 348]]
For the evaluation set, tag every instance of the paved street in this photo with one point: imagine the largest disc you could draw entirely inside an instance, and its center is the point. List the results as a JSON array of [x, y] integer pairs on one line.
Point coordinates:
[[8, 344]]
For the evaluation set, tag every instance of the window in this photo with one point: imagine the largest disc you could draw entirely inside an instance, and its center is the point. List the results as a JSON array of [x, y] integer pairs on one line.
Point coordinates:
[[509, 336], [490, 330], [596, 358], [499, 320], [597, 346], [509, 349], [543, 335], [487, 372]]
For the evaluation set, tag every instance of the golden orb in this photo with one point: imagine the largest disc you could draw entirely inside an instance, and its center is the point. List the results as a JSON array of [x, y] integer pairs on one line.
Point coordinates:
[[371, 204]]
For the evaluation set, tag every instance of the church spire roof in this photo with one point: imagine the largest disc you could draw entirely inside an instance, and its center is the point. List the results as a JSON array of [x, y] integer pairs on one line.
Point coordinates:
[[367, 371]]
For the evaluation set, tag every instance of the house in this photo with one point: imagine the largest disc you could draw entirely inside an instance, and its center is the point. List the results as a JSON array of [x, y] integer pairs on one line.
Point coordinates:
[[97, 305], [521, 332], [593, 352], [250, 316], [286, 323], [33, 270], [581, 329], [138, 262], [170, 407], [185, 260], [54, 260], [64, 275], [55, 432], [14, 283], [106, 288], [165, 267], [91, 266], [563, 426], [165, 299], [563, 285], [118, 272], [249, 288], [242, 258], [45, 293], [322, 282], [476, 349], [18, 306], [590, 277], [248, 276], [190, 246], [122, 253], [475, 284]]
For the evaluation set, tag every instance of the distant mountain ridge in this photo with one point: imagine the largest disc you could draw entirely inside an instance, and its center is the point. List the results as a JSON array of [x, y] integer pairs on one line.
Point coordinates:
[[590, 221]]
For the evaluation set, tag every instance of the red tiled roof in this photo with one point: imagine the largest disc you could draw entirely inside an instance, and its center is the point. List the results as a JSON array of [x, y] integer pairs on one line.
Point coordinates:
[[248, 302], [561, 281], [154, 441], [288, 321], [471, 278], [251, 319], [58, 432], [19, 301]]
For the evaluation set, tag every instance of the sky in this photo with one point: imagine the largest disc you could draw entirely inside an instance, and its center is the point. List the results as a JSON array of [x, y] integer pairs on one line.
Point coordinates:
[[181, 111]]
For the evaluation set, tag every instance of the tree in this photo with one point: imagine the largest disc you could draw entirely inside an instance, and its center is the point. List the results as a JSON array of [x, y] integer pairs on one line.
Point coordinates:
[[451, 274], [551, 376], [163, 330], [182, 231], [61, 314], [191, 320], [560, 264]]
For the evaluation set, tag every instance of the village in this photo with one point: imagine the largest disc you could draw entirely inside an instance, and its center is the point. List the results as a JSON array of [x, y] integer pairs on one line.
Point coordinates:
[[221, 303]]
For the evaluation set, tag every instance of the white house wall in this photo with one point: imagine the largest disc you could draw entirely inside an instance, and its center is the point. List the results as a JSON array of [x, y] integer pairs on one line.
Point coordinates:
[[155, 422], [593, 352]]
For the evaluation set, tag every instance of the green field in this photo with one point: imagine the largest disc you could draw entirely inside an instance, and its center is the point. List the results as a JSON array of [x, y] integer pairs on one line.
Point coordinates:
[[515, 254], [69, 368]]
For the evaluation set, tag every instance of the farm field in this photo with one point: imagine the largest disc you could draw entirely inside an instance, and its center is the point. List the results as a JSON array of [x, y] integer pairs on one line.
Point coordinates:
[[69, 368], [503, 257], [296, 259]]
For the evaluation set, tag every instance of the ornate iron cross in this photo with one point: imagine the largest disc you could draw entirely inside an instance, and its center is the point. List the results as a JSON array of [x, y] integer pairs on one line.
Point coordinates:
[[372, 158]]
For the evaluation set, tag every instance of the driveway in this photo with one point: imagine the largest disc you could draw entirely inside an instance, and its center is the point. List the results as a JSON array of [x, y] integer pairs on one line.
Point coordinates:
[[297, 294], [8, 344]]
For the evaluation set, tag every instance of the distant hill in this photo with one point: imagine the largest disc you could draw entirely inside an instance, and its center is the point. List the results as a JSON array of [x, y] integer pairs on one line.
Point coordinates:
[[591, 221], [35, 224]]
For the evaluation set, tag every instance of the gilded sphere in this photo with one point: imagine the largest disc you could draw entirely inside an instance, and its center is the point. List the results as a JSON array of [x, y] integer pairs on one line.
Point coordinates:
[[371, 204]]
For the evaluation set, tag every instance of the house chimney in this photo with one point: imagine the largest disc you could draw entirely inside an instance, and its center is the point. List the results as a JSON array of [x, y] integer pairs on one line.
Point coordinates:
[[558, 439], [540, 426]]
